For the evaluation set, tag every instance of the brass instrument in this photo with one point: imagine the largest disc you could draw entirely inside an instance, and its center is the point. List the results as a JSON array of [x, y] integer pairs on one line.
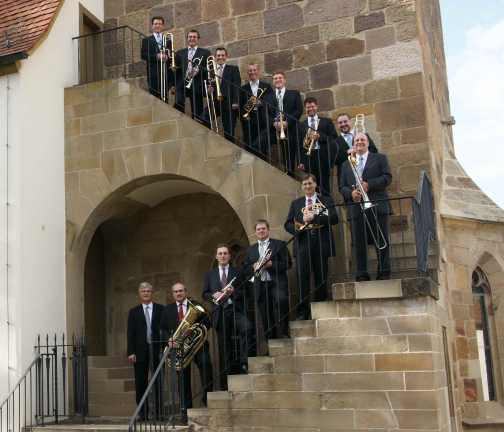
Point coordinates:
[[359, 126], [165, 54], [379, 239], [211, 65], [263, 259], [212, 113], [317, 208], [310, 139], [252, 102], [224, 296], [192, 71], [189, 336], [281, 131]]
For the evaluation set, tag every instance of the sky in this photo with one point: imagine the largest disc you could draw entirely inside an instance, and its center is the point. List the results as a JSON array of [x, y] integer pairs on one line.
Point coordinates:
[[474, 47]]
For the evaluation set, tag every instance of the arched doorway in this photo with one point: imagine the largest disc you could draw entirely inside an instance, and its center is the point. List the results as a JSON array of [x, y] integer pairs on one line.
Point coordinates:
[[169, 234]]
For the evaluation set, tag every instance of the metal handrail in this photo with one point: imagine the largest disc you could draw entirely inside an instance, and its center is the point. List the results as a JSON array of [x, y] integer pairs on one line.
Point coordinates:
[[109, 30], [23, 377]]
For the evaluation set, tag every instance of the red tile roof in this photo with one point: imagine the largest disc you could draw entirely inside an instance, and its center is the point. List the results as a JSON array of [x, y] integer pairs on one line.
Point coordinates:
[[24, 22]]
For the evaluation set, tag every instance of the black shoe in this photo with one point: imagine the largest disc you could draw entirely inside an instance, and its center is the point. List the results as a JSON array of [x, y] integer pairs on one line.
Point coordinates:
[[244, 369], [303, 317], [383, 276], [362, 278]]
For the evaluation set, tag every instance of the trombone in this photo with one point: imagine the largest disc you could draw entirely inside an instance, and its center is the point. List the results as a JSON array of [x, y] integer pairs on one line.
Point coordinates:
[[165, 54], [379, 239], [211, 65], [192, 70], [359, 125], [212, 113], [252, 102]]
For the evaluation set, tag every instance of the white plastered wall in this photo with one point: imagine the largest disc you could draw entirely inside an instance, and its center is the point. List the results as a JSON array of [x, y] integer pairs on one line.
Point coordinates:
[[32, 226]]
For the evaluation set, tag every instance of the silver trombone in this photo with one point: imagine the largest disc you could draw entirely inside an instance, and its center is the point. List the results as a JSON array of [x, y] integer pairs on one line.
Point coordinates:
[[379, 239], [166, 54], [212, 113], [192, 70]]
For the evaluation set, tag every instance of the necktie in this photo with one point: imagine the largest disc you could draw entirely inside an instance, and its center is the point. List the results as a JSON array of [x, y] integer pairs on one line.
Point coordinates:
[[180, 312], [349, 139], [360, 166], [312, 122], [223, 280], [148, 322], [219, 73], [280, 100]]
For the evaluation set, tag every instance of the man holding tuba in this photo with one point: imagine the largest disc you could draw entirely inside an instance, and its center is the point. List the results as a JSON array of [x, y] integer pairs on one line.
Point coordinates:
[[172, 316], [253, 110], [368, 222], [190, 75], [319, 149], [271, 290]]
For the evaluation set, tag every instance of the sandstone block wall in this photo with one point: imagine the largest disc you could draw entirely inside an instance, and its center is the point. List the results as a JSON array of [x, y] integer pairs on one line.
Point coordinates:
[[356, 56]]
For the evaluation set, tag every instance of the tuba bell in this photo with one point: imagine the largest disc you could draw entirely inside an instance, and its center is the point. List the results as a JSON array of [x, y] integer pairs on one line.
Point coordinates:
[[189, 336]]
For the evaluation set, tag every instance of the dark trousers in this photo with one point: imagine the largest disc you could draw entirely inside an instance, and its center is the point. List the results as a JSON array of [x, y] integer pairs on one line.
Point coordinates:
[[236, 337], [195, 95], [311, 259], [361, 238], [272, 302], [291, 153], [254, 134], [154, 78], [202, 360], [228, 116], [142, 379], [319, 165]]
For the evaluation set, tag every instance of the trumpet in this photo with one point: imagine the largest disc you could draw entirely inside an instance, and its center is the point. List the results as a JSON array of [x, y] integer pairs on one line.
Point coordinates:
[[263, 259], [310, 140], [224, 296], [379, 239], [192, 71], [212, 113], [166, 53], [211, 65], [281, 133], [251, 104]]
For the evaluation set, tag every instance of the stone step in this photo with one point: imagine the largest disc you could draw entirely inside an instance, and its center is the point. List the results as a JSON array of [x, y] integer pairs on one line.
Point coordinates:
[[111, 373], [111, 385], [112, 409], [260, 365], [119, 398], [302, 328], [279, 347], [88, 427], [367, 290], [107, 361], [198, 418], [398, 263], [402, 249]]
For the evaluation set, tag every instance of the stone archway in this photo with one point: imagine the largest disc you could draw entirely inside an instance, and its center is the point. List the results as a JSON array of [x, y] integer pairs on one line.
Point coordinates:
[[120, 139]]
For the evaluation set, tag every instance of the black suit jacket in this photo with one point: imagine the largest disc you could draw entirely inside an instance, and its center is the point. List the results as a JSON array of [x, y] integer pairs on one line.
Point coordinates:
[[149, 52], [230, 84], [137, 331], [378, 176], [182, 61], [280, 258], [343, 149], [327, 142], [212, 284], [292, 106], [323, 237]]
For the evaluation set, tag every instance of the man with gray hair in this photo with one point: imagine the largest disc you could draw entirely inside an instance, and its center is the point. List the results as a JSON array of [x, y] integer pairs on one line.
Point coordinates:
[[144, 340]]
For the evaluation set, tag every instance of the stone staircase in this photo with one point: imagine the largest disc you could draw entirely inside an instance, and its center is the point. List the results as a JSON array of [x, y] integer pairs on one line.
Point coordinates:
[[111, 387], [370, 361]]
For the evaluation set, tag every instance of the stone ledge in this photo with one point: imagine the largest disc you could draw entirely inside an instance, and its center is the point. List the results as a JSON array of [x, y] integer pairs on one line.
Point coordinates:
[[393, 288]]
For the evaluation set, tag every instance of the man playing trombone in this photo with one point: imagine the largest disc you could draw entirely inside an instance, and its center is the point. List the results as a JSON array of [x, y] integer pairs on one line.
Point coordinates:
[[156, 52], [190, 75], [268, 260], [367, 176], [233, 328]]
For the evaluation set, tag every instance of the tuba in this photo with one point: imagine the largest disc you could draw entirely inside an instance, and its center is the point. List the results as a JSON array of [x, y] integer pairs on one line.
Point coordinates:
[[251, 104], [189, 336]]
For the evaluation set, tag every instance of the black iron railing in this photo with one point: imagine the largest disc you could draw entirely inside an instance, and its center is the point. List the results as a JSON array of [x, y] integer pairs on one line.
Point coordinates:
[[41, 396]]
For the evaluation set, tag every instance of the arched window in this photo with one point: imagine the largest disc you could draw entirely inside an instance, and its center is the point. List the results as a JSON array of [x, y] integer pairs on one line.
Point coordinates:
[[483, 316]]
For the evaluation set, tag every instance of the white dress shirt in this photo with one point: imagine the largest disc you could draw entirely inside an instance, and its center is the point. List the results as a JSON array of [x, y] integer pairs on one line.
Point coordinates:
[[313, 198], [151, 308], [362, 157], [280, 93], [349, 139], [254, 86], [262, 245], [223, 269]]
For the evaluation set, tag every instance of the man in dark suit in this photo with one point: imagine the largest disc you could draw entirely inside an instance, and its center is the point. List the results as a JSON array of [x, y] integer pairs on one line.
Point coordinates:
[[310, 219], [255, 123], [271, 290], [323, 153], [144, 341], [152, 55], [374, 170], [345, 141], [228, 317], [184, 59], [230, 82], [289, 103], [173, 314]]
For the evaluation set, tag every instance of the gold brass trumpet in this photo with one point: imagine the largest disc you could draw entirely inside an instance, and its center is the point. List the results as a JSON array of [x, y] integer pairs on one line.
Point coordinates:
[[252, 102], [192, 71], [213, 78], [310, 140], [280, 132]]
